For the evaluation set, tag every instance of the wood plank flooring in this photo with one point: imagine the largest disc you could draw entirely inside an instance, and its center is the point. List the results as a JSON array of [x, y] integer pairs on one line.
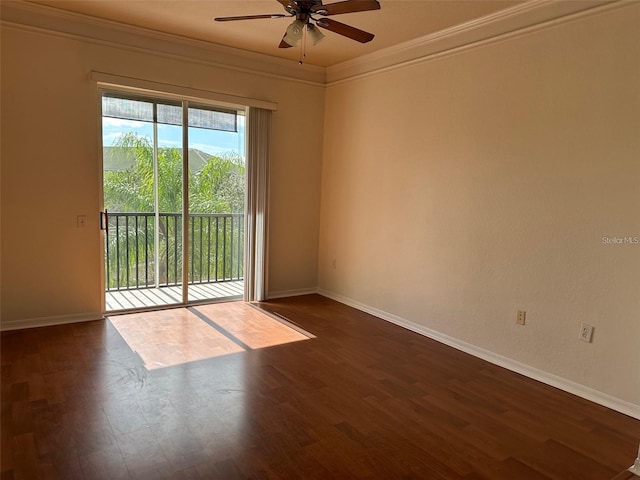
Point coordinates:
[[364, 399], [172, 337]]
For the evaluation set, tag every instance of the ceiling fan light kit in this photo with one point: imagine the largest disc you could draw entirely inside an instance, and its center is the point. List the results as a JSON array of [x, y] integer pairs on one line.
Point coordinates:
[[293, 33], [304, 11], [314, 34]]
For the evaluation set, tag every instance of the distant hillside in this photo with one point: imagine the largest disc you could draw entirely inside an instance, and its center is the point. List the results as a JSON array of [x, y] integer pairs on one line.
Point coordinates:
[[121, 158]]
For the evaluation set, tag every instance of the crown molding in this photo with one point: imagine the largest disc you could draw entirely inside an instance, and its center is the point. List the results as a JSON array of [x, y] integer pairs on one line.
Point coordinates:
[[525, 17], [505, 24], [48, 20]]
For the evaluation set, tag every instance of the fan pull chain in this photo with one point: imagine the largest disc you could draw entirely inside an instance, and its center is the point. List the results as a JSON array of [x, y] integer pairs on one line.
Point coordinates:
[[303, 45], [304, 40]]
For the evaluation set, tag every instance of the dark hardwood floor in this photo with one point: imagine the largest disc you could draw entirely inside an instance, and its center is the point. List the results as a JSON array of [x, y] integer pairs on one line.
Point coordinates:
[[364, 400]]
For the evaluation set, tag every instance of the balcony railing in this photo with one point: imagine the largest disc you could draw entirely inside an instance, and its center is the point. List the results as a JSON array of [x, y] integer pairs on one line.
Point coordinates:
[[143, 251]]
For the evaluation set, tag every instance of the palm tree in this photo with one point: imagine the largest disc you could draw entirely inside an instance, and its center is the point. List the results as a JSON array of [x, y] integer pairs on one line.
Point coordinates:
[[215, 187]]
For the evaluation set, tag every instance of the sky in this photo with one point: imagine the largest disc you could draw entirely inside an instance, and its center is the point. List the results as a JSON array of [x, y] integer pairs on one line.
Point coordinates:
[[210, 141]]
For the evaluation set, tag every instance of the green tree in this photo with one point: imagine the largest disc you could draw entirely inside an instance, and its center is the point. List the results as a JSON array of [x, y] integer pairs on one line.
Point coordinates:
[[219, 186], [130, 189], [216, 187]]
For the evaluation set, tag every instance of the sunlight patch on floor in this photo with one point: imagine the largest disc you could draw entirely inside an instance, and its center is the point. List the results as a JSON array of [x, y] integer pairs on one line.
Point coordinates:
[[172, 337], [252, 327]]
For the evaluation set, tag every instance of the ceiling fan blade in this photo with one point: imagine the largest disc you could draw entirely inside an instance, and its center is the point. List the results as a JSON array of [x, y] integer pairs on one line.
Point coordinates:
[[345, 30], [347, 6], [250, 17]]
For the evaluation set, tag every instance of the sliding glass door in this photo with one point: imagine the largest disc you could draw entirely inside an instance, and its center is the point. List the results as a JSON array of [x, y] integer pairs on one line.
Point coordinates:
[[173, 216], [216, 179]]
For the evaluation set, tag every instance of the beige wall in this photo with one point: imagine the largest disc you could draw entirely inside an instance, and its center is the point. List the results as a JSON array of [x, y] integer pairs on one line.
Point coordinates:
[[454, 191], [459, 190], [50, 167]]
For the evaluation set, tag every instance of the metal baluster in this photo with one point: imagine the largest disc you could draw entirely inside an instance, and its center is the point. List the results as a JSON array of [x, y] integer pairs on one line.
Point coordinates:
[[166, 241], [201, 243], [117, 252], [224, 248], [175, 247], [192, 252], [231, 249], [126, 250], [106, 233], [176, 277], [240, 250], [208, 248], [217, 249], [146, 249], [137, 260]]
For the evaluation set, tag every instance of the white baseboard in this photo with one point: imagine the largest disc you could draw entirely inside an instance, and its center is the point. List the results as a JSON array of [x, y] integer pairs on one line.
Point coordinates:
[[587, 393], [635, 468], [49, 321], [291, 293]]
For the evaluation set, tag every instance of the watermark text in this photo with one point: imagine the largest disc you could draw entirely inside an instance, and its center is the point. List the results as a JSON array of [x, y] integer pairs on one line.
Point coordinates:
[[624, 240]]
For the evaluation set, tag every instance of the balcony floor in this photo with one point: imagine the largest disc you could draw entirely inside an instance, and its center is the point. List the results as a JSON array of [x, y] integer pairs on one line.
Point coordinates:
[[158, 297]]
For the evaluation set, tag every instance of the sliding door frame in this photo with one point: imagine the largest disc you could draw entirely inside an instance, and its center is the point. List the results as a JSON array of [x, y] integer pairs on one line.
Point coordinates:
[[256, 181]]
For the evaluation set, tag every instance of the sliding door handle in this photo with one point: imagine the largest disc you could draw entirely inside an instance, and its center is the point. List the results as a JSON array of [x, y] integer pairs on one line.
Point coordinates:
[[104, 220]]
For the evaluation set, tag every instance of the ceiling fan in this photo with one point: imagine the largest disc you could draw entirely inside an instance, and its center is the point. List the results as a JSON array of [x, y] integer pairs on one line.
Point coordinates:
[[306, 12]]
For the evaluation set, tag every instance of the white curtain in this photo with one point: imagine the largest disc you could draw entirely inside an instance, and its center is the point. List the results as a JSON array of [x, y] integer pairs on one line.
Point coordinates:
[[258, 134]]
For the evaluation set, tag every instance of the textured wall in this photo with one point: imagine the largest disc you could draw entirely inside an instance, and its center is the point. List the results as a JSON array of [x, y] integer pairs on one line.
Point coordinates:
[[459, 190], [51, 173]]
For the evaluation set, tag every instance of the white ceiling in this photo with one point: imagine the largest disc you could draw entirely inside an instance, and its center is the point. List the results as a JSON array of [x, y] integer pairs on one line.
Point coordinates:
[[397, 21]]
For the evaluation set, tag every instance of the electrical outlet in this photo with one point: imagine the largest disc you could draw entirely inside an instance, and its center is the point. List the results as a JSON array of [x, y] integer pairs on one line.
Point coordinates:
[[333, 264], [586, 333], [81, 221], [521, 318]]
